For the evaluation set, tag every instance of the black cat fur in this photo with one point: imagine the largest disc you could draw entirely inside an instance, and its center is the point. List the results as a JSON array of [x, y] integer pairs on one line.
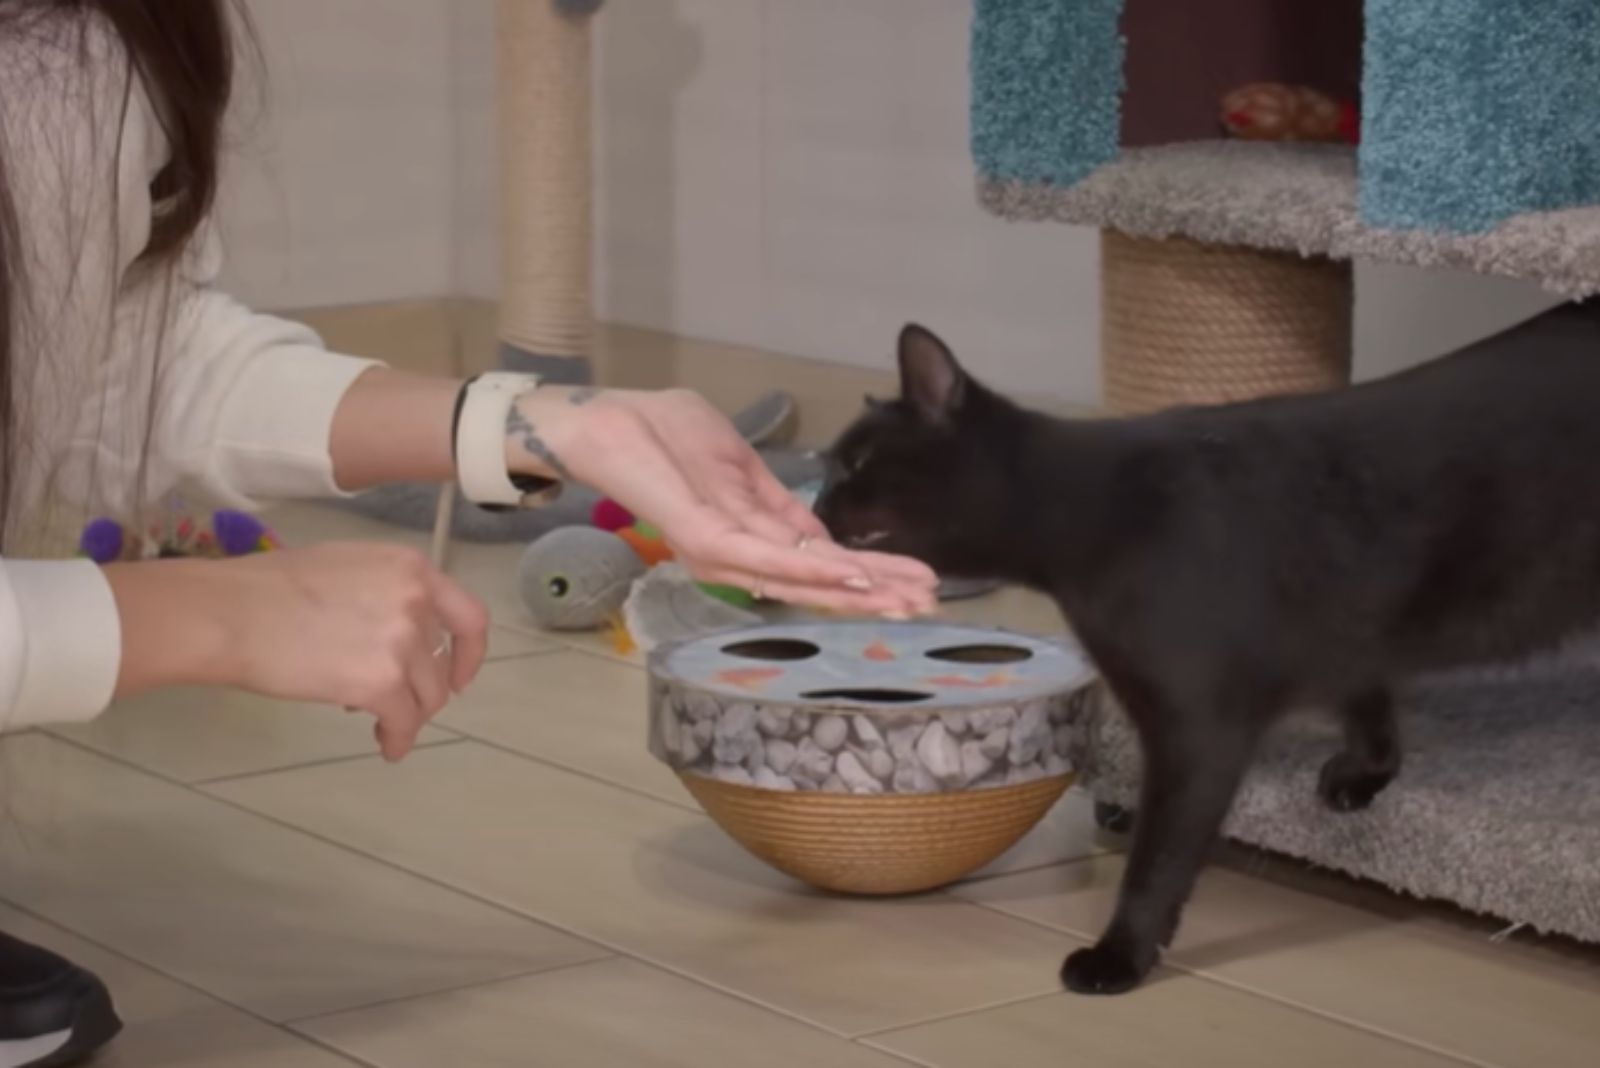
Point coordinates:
[[1223, 564]]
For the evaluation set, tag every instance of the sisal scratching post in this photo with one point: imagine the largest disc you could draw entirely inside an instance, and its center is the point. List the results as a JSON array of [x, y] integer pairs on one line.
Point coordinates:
[[544, 95], [546, 190], [1190, 323]]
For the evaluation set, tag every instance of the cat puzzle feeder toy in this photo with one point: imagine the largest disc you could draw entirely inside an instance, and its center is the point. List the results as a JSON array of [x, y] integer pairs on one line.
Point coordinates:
[[870, 758]]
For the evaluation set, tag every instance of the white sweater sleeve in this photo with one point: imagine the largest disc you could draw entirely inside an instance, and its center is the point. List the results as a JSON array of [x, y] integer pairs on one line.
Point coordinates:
[[83, 213], [243, 403], [60, 642], [127, 372], [246, 401]]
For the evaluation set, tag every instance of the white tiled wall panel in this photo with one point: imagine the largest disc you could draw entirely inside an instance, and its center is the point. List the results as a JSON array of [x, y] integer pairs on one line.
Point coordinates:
[[342, 188], [794, 174]]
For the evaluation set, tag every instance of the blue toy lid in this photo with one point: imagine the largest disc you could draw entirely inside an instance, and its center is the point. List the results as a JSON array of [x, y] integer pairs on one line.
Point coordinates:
[[876, 665]]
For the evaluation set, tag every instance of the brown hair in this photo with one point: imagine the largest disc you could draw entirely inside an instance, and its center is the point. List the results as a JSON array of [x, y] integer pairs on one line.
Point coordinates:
[[183, 53]]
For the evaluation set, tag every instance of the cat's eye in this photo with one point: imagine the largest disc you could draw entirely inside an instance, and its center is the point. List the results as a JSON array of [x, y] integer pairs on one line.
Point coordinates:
[[854, 465]]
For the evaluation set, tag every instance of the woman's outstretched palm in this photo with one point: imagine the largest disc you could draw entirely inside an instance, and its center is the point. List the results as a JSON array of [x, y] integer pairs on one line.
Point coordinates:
[[674, 459]]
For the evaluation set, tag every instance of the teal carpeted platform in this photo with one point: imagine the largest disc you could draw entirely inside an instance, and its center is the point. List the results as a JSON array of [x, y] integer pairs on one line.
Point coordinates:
[[1475, 112]]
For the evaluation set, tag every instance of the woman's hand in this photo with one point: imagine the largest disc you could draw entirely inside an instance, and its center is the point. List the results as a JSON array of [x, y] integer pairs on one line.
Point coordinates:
[[674, 460], [369, 627]]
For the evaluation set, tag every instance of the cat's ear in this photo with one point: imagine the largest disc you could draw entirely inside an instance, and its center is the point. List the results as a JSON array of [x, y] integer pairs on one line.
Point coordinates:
[[931, 381]]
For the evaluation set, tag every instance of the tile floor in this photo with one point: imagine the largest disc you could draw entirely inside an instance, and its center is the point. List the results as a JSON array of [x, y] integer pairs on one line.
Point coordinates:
[[530, 888]]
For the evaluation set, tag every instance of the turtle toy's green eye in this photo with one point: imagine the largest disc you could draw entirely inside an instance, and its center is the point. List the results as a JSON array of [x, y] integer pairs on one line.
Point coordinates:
[[559, 587]]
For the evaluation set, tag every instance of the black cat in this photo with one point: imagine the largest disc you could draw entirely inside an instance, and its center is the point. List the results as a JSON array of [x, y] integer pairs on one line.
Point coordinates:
[[1223, 564]]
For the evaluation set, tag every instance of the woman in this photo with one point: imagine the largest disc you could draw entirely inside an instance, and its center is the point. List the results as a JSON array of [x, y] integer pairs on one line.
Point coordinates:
[[123, 373]]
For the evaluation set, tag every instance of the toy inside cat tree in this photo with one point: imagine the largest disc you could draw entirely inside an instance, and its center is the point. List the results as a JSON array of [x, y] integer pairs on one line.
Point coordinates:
[[1226, 274]]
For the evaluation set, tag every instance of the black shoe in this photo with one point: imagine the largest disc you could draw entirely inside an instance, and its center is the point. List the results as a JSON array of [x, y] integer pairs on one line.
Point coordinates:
[[52, 1012]]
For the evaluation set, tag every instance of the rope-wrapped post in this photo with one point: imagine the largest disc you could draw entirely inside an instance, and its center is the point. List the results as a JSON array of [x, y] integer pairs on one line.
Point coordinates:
[[544, 103], [1190, 323], [546, 186]]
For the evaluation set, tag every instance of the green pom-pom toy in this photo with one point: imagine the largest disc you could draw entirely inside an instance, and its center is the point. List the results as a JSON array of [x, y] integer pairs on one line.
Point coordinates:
[[733, 595]]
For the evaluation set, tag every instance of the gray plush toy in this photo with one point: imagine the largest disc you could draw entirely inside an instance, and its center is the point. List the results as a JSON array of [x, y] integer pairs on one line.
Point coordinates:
[[575, 578]]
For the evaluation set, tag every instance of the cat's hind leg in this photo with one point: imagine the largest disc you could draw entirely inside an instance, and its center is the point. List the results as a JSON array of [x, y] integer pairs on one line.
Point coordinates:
[[1371, 756]]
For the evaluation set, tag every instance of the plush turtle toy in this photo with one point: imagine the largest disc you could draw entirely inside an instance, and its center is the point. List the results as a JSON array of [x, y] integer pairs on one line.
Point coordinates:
[[576, 578]]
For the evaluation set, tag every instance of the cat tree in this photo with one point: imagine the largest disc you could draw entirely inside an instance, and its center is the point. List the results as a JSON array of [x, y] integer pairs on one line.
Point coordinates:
[[1226, 275]]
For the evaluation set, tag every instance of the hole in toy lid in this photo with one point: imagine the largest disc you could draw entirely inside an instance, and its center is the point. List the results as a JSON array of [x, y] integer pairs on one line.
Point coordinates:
[[773, 649], [877, 695], [991, 653]]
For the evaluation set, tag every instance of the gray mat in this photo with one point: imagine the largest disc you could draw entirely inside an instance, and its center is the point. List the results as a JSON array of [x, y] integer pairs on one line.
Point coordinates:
[[1497, 809], [1296, 198]]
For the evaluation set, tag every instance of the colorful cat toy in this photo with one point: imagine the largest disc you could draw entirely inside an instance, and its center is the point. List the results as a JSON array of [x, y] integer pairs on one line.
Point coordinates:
[[105, 541]]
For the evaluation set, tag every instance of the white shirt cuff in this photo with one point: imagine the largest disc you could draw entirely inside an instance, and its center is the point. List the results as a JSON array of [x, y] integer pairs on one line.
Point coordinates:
[[73, 640]]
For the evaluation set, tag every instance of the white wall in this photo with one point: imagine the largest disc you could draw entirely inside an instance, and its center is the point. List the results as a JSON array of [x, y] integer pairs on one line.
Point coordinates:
[[1404, 315], [794, 174], [789, 174], [343, 185]]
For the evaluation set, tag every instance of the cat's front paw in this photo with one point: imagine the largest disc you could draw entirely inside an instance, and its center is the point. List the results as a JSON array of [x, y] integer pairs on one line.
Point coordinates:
[[1104, 969], [1347, 784]]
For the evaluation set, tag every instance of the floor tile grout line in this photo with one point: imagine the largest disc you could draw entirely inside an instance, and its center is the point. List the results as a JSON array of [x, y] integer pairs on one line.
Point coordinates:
[[333, 843], [455, 738], [530, 654], [581, 773], [618, 956], [1031, 869], [617, 950], [519, 913], [871, 1037], [455, 889], [1337, 1018], [898, 1055], [187, 984], [295, 1023], [508, 909], [1254, 992], [578, 649]]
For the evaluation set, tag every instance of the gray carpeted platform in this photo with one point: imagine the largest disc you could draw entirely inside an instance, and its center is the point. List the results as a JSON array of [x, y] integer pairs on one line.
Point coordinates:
[[1496, 810], [1296, 198]]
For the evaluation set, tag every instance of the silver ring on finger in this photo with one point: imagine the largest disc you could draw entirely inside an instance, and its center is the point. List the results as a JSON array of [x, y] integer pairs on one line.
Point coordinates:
[[443, 648]]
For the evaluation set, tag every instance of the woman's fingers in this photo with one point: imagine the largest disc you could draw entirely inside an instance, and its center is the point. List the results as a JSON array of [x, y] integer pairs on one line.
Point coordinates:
[[898, 568], [771, 557], [466, 622], [802, 576], [831, 598], [451, 639], [776, 498], [429, 670], [744, 553], [400, 720]]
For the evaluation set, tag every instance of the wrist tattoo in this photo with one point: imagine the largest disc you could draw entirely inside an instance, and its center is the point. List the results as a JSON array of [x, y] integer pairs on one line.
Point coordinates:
[[526, 435], [583, 395]]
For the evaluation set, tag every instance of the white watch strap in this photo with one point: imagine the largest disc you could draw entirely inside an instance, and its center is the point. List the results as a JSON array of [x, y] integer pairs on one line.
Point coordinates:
[[481, 437]]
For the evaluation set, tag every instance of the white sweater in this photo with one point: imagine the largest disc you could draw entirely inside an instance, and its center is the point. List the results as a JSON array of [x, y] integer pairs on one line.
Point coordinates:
[[244, 403]]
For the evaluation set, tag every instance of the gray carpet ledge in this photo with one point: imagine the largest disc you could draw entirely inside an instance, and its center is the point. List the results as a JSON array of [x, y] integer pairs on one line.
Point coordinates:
[[1495, 810], [1295, 198]]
